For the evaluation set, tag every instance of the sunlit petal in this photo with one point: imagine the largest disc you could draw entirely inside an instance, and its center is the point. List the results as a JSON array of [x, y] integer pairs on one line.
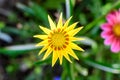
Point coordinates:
[[67, 22], [42, 43], [76, 39], [47, 31], [43, 49], [49, 50], [41, 36], [54, 58], [67, 57], [60, 21], [52, 24], [74, 46], [75, 31], [71, 27], [71, 52]]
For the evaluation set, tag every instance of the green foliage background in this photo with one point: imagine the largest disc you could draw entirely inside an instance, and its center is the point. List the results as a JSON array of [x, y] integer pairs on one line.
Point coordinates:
[[20, 56]]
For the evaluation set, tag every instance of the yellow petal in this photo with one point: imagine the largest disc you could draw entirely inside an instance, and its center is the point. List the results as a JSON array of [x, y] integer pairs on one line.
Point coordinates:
[[71, 27], [43, 49], [67, 57], [75, 39], [41, 36], [71, 52], [47, 31], [49, 50], [54, 58], [60, 58], [42, 43], [74, 46], [52, 24], [75, 31], [67, 22], [60, 21]]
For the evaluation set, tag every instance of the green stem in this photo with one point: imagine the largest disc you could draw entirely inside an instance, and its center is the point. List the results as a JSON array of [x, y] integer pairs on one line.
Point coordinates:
[[119, 57], [72, 76]]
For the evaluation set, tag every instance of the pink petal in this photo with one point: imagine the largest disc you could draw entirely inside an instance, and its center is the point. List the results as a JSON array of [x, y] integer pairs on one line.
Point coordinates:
[[109, 40], [111, 18], [106, 27], [118, 17], [115, 47], [106, 34]]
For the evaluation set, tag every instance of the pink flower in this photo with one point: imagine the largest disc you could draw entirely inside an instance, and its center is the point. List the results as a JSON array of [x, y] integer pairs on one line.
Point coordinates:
[[111, 31]]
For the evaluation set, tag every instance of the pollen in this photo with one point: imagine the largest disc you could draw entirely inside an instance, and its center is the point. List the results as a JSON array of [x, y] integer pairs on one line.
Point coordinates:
[[58, 39], [116, 30]]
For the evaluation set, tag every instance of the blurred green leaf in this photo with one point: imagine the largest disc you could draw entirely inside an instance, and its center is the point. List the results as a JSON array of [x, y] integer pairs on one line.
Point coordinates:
[[106, 8], [82, 19], [53, 4], [81, 69], [5, 37], [26, 9], [69, 7], [2, 25], [40, 13], [90, 42], [42, 61], [102, 66], [35, 11], [18, 49]]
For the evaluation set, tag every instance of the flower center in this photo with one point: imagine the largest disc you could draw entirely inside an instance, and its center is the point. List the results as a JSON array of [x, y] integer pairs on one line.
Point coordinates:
[[58, 39], [116, 30]]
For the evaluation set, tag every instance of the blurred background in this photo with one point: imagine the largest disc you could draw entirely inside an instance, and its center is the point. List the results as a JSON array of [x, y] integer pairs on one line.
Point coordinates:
[[19, 21]]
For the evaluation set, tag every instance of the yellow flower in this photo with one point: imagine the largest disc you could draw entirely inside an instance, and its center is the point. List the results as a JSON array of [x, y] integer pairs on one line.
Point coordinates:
[[59, 40]]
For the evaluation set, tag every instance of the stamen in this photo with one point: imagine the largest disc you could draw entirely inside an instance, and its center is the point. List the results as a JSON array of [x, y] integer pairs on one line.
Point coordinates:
[[59, 48], [66, 35], [66, 43], [49, 40], [51, 46], [59, 30], [64, 32], [49, 37], [67, 39], [55, 48], [64, 46]]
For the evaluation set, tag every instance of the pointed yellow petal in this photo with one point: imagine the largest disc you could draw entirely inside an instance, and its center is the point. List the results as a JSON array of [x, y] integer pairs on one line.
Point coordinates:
[[74, 46], [43, 49], [75, 39], [67, 22], [60, 57], [60, 21], [41, 36], [47, 31], [42, 43], [67, 57], [71, 52], [54, 58], [75, 31], [52, 24], [71, 27], [49, 50]]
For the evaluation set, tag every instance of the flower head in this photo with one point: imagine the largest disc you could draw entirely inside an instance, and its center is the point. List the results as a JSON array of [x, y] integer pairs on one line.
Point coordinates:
[[111, 31], [58, 40]]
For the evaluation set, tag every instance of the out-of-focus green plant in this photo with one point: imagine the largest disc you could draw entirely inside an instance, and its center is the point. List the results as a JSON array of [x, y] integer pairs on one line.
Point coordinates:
[[96, 63]]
